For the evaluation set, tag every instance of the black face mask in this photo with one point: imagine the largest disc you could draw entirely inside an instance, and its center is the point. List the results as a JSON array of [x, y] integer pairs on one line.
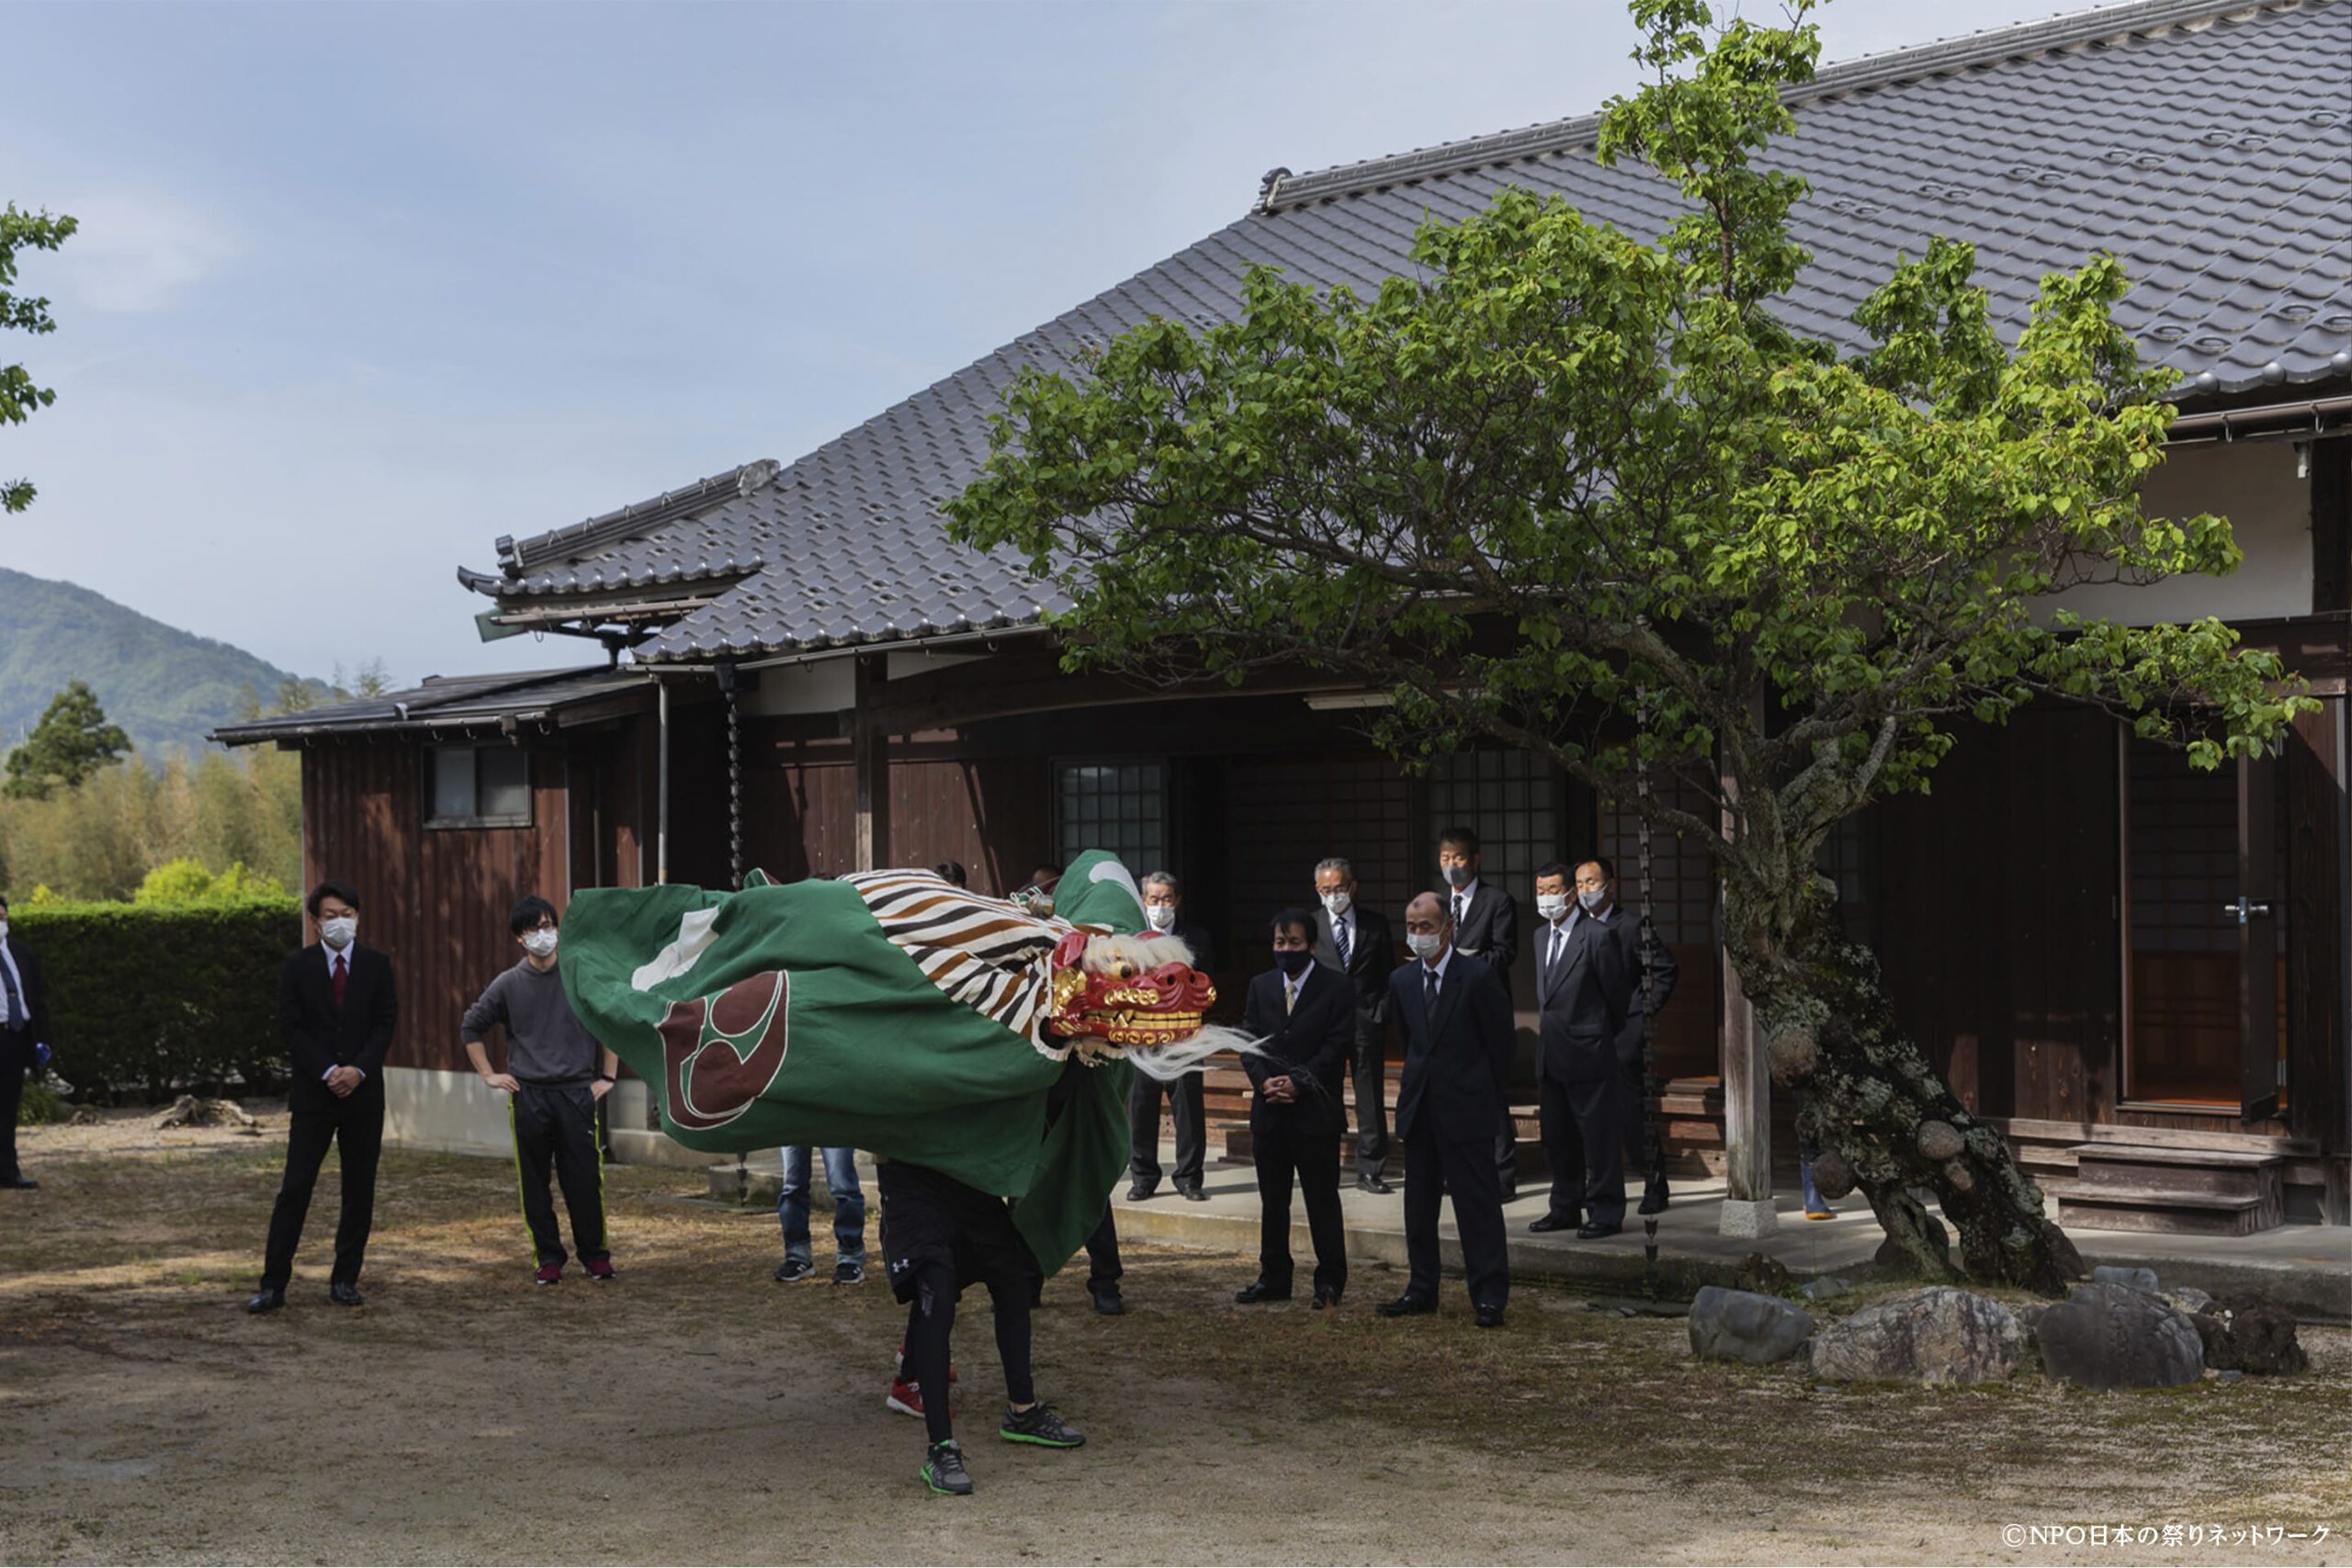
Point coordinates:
[[1292, 961]]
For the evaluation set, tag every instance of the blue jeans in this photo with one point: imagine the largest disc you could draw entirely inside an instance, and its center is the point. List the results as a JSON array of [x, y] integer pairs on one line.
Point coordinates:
[[849, 1204]]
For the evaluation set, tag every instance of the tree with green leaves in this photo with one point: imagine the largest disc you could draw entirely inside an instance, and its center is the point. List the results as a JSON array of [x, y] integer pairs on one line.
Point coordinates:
[[21, 230], [1590, 497], [71, 741]]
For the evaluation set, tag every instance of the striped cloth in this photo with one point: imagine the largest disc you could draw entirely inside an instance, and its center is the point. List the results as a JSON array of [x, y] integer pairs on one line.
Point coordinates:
[[988, 953]]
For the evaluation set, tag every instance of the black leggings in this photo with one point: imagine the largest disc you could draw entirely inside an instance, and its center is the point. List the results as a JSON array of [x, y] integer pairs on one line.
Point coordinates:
[[930, 1316]]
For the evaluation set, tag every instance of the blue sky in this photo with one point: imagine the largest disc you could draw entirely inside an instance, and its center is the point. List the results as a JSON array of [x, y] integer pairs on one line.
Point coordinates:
[[361, 287]]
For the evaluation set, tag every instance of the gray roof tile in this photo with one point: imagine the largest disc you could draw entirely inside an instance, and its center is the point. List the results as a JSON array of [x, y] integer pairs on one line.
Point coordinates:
[[2206, 143]]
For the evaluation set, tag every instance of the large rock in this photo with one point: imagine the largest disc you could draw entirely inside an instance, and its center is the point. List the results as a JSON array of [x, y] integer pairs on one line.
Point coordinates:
[[1935, 1335], [1739, 1325], [2137, 1279], [2258, 1337], [2109, 1336]]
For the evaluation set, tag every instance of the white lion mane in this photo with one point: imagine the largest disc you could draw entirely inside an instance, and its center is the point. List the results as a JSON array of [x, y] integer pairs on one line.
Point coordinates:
[[1173, 1061]]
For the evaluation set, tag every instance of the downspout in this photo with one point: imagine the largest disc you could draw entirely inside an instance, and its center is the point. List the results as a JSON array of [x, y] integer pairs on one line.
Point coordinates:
[[662, 784]]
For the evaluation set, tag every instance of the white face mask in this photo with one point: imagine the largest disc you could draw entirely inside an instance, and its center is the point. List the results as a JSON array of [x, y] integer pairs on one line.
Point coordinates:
[[3, 929], [1551, 905], [539, 944], [1162, 916], [1338, 903], [1592, 898], [339, 931], [1426, 946]]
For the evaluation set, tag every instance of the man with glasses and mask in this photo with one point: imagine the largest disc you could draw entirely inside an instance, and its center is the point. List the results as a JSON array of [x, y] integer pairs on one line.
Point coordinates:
[[556, 1074], [1163, 901], [335, 1016], [1457, 1027], [1356, 942]]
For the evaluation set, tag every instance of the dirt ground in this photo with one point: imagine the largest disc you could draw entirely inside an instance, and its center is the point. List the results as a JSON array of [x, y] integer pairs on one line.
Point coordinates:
[[692, 1411]]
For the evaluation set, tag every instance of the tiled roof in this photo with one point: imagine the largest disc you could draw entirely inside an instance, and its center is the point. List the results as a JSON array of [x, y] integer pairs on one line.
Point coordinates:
[[2208, 145], [456, 704]]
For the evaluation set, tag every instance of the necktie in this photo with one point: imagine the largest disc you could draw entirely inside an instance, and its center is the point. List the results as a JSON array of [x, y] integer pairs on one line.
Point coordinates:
[[1340, 935], [16, 1003], [1289, 996], [1559, 941], [1459, 909], [1429, 987], [342, 980]]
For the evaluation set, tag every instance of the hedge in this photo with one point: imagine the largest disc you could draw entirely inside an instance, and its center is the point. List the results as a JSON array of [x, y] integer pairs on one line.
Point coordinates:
[[148, 999]]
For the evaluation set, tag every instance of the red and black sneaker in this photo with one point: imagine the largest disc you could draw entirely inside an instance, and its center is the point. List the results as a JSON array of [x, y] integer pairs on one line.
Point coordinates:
[[600, 1269], [906, 1398], [549, 1274]]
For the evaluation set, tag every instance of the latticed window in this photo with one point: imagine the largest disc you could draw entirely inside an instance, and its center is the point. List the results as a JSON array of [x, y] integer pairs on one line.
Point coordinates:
[[1118, 806], [1512, 802], [1291, 813]]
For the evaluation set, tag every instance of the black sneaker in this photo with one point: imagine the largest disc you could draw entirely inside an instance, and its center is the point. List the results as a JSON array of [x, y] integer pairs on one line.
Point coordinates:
[[848, 1273], [943, 1471], [1038, 1424], [794, 1269]]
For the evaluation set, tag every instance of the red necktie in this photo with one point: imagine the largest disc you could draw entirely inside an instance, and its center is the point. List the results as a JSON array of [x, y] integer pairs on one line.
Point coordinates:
[[342, 978]]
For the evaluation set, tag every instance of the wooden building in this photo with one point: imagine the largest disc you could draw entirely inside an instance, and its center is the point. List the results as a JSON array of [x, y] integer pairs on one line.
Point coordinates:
[[2139, 970]]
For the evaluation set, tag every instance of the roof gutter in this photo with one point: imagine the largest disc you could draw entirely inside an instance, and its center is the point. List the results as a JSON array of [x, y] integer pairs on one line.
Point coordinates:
[[2301, 421], [848, 650]]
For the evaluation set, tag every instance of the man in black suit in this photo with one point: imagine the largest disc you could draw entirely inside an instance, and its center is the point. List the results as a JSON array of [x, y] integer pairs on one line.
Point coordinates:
[[1304, 1014], [1581, 994], [1486, 926], [1357, 943], [1595, 891], [1457, 1028], [335, 1015], [24, 1031], [1163, 898]]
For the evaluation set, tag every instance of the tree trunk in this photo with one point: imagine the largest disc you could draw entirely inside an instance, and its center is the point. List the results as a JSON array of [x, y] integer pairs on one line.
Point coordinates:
[[1874, 1105]]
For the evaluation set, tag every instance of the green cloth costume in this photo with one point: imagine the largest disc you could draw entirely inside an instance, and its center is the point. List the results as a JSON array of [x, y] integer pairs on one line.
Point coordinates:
[[786, 1014]]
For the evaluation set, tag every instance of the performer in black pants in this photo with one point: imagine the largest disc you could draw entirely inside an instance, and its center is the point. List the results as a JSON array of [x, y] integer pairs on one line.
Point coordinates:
[[557, 1073], [939, 1235], [335, 1015]]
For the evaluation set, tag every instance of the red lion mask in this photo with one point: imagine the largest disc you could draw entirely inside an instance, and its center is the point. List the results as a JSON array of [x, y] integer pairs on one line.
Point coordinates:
[[1123, 1004]]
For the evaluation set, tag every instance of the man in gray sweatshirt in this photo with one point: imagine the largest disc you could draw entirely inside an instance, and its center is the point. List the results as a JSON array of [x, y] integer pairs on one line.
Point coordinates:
[[555, 1075]]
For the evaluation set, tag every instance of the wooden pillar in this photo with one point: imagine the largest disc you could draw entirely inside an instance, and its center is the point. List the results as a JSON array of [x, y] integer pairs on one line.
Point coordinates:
[[1748, 1096], [871, 747]]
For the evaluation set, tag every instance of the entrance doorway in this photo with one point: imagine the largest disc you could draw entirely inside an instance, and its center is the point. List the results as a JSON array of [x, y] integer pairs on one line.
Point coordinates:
[[2205, 941]]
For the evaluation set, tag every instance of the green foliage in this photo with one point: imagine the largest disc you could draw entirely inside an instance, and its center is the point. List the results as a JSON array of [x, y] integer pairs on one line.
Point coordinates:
[[224, 811], [146, 1000], [21, 230], [185, 880], [71, 741], [40, 1104], [1588, 496], [167, 687]]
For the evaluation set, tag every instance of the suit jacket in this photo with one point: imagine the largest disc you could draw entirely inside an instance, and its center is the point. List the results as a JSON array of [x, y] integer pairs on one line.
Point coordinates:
[[1580, 1002], [1370, 960], [1457, 1064], [16, 1050], [1489, 930], [319, 1035], [1624, 930], [1311, 1043]]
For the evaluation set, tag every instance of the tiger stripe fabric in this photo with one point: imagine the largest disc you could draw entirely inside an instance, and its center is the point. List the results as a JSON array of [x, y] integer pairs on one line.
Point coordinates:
[[986, 952]]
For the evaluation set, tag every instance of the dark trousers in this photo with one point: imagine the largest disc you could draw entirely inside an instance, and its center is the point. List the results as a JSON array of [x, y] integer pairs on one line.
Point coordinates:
[[931, 1318], [1304, 1140], [12, 1096], [1507, 1157], [1584, 1130], [1434, 1167], [1185, 1106], [558, 1122], [1103, 1268], [318, 1119], [1369, 1063]]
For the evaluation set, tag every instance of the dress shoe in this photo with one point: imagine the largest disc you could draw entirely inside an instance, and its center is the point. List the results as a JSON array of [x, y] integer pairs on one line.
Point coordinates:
[[1259, 1290], [1406, 1306], [1490, 1317], [1108, 1302], [1325, 1296], [1554, 1223], [345, 1296], [1593, 1230], [1652, 1199], [1373, 1184], [21, 1184], [1510, 1194], [1137, 1191], [268, 1301], [1194, 1194]]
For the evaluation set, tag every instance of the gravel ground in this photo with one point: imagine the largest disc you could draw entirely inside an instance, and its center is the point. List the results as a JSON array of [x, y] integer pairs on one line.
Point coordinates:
[[694, 1412]]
